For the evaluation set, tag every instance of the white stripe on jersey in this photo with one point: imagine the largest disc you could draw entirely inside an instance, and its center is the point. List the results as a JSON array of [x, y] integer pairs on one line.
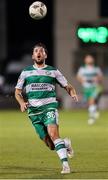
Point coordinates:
[[39, 87], [41, 102], [39, 72]]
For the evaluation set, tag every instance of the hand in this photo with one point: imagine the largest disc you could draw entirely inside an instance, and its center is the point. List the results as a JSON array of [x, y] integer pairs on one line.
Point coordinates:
[[83, 80], [71, 91], [95, 79], [23, 106], [75, 97]]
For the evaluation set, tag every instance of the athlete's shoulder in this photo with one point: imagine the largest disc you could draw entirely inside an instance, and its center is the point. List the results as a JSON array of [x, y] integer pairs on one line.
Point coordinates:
[[82, 68], [28, 68], [50, 68]]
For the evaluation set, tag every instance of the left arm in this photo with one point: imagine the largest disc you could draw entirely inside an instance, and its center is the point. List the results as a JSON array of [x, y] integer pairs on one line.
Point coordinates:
[[67, 86], [99, 77], [71, 91]]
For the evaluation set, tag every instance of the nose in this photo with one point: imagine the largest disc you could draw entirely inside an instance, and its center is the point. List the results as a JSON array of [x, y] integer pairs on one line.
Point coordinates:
[[38, 53]]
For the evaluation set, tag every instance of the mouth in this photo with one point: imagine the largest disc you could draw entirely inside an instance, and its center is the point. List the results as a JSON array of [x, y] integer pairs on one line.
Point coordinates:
[[38, 56]]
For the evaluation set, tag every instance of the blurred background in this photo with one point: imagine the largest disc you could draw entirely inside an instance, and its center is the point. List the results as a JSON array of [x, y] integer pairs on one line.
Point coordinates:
[[71, 29]]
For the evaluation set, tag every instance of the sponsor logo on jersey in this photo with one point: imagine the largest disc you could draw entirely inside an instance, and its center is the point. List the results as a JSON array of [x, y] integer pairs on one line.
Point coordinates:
[[48, 73], [40, 86]]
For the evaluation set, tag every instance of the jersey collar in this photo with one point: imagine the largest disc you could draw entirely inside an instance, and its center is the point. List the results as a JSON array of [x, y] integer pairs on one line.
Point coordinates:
[[35, 66]]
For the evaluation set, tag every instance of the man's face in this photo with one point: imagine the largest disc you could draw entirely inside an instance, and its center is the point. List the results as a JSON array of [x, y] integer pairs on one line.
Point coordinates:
[[39, 55], [89, 60]]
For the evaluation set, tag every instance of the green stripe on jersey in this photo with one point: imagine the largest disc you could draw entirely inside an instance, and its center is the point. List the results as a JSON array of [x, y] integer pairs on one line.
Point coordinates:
[[50, 68], [40, 79], [29, 68], [40, 94]]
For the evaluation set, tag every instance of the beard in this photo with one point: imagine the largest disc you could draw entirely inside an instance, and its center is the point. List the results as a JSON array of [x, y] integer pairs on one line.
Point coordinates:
[[40, 61]]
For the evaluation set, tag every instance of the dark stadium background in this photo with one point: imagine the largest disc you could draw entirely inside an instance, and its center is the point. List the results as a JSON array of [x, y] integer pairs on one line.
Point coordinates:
[[23, 31]]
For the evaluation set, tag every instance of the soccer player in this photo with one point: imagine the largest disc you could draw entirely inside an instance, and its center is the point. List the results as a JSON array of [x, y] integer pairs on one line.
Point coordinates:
[[39, 81], [91, 78]]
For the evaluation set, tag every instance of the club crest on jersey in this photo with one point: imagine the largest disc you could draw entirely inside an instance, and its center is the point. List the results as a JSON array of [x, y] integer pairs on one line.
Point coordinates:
[[48, 73]]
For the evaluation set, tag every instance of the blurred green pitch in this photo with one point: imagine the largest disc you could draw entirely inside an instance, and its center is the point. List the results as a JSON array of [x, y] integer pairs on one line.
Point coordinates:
[[23, 155]]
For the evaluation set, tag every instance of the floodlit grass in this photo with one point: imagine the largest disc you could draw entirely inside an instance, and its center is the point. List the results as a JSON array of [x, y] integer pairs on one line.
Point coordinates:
[[23, 154]]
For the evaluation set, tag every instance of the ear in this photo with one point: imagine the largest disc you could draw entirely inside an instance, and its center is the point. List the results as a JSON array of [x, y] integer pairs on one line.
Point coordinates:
[[45, 56]]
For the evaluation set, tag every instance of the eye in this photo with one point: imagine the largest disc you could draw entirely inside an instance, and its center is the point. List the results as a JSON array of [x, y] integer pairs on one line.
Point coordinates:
[[36, 50]]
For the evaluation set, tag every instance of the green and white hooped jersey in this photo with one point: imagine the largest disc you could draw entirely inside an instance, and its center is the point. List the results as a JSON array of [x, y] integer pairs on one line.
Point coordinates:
[[39, 85], [88, 73]]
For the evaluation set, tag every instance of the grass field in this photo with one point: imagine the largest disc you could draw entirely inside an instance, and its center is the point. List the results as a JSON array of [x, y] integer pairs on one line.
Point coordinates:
[[23, 155]]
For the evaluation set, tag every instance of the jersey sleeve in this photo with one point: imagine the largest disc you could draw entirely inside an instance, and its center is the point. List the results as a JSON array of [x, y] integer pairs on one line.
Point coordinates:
[[21, 80], [99, 71], [80, 71], [61, 79]]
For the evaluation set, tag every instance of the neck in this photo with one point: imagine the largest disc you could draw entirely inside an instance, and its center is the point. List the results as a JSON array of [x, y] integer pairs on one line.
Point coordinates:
[[39, 65], [88, 65]]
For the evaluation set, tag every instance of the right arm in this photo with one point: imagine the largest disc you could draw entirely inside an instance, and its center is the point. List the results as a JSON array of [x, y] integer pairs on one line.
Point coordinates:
[[18, 92], [79, 76], [20, 99]]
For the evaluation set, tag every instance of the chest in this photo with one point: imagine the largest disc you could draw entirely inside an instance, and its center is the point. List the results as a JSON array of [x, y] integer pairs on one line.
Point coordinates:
[[89, 73], [40, 76]]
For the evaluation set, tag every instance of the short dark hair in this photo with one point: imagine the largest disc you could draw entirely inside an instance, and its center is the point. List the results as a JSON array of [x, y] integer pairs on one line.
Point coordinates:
[[90, 54], [41, 45]]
